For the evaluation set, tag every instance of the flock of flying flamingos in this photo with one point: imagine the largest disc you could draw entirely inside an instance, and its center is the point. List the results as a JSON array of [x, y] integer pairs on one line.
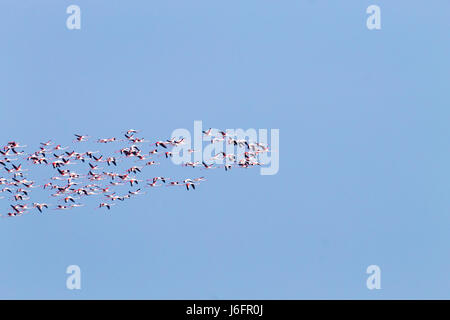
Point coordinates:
[[69, 187]]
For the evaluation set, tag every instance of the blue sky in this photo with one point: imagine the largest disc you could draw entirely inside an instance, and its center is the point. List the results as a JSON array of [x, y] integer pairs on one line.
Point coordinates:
[[364, 153]]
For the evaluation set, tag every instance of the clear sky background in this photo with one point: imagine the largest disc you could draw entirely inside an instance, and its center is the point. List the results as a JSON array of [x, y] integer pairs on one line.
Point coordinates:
[[364, 147]]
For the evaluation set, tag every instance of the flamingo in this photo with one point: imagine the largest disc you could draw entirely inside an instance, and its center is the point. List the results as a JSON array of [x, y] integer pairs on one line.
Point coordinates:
[[46, 144], [49, 184], [112, 196], [175, 142], [5, 153], [133, 180], [190, 184], [216, 139], [81, 191], [135, 193], [18, 197], [99, 159], [61, 207], [69, 198], [134, 169], [240, 143], [64, 172], [17, 152], [111, 160], [81, 138], [136, 140], [208, 166], [106, 140], [13, 144], [57, 164], [13, 214], [192, 164], [159, 178], [153, 184], [90, 153], [66, 162], [17, 168], [59, 147], [131, 131], [207, 132], [104, 190], [111, 174], [161, 143], [20, 190], [80, 157], [40, 206], [96, 167], [263, 146], [19, 208], [6, 189], [106, 205]]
